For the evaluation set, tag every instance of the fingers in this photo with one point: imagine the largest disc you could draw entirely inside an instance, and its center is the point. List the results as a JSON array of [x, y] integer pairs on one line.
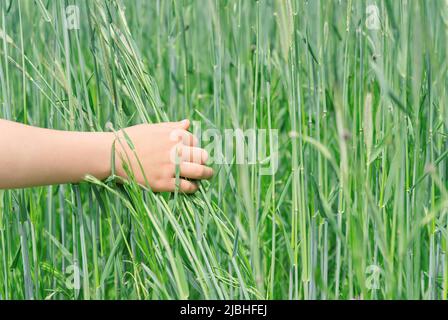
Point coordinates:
[[184, 124], [195, 171], [181, 132], [193, 154], [187, 138], [184, 186]]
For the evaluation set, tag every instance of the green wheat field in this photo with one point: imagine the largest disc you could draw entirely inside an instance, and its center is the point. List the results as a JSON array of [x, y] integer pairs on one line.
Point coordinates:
[[357, 91]]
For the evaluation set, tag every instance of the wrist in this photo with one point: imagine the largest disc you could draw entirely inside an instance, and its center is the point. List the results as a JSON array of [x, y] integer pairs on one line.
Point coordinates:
[[103, 154]]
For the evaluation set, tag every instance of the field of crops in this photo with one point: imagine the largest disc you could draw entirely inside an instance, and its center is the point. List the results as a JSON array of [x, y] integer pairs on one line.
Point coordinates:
[[347, 198]]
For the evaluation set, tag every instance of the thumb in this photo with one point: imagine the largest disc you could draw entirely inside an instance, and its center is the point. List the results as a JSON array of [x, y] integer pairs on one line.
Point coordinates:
[[184, 124]]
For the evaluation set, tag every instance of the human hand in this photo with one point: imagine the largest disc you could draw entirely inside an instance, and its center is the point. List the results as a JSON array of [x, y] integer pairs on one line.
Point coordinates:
[[154, 156]]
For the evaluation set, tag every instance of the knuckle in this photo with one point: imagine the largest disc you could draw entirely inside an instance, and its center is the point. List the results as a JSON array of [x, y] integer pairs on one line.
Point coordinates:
[[195, 140], [188, 138], [191, 187], [169, 169], [209, 172], [205, 155], [157, 184], [175, 135]]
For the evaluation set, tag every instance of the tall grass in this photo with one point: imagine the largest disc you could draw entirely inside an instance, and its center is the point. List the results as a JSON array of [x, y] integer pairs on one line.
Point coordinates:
[[356, 209]]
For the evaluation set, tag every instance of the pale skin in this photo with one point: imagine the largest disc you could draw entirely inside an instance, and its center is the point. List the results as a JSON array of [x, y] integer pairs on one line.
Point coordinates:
[[31, 156]]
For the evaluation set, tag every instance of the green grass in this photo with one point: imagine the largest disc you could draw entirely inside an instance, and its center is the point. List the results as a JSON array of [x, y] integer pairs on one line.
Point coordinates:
[[359, 199]]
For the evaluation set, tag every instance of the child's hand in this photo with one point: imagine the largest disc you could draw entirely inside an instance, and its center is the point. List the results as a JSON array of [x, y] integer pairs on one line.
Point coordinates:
[[155, 147]]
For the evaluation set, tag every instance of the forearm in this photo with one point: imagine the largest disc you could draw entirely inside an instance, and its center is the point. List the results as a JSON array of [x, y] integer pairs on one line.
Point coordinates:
[[33, 156]]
